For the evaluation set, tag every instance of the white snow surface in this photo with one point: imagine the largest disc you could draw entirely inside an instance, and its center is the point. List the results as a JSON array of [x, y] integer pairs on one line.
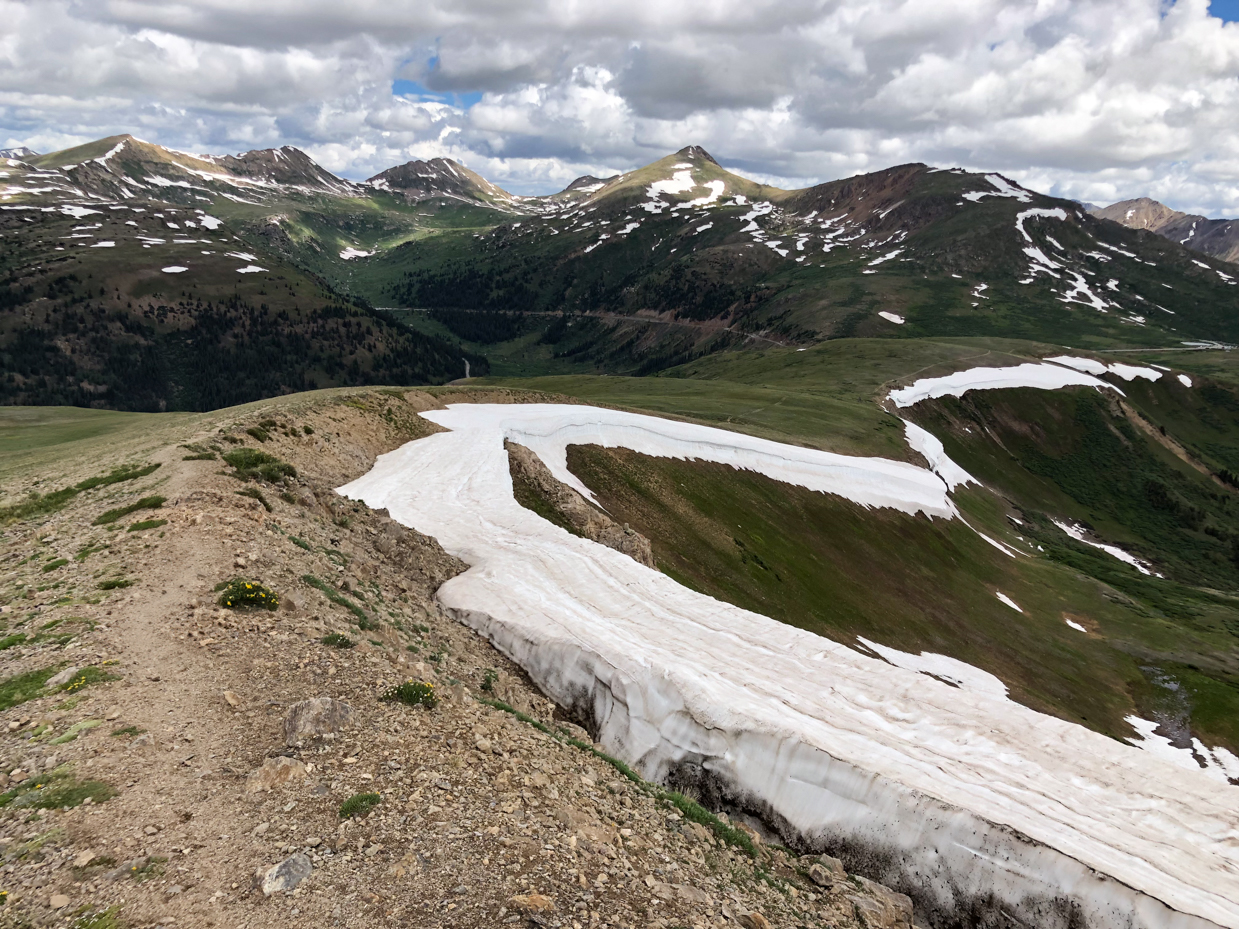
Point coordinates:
[[1093, 366], [174, 269], [965, 795], [1077, 533], [892, 317], [1184, 380], [1044, 376], [1004, 189], [350, 253], [931, 449], [956, 672], [1008, 601]]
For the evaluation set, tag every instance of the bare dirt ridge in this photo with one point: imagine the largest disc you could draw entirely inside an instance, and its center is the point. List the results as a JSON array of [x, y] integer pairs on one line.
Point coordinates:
[[226, 787]]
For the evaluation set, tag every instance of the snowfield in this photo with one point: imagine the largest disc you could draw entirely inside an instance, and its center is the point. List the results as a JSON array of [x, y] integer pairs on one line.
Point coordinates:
[[968, 801]]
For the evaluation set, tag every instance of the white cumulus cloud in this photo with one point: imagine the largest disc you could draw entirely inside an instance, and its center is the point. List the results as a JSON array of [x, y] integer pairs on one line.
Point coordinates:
[[1094, 99]]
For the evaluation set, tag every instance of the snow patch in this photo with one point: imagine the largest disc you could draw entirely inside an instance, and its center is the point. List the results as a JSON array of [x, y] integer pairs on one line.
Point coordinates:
[[350, 253], [931, 449], [967, 795], [1004, 189], [1077, 533], [1042, 376], [943, 667], [250, 269], [174, 269], [1008, 601], [1184, 380], [892, 317]]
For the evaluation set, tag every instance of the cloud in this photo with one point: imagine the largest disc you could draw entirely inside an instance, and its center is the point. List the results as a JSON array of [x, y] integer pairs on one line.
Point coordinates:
[[1095, 99]]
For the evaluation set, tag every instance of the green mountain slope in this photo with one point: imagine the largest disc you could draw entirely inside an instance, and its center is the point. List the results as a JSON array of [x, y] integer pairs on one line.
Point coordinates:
[[1141, 475]]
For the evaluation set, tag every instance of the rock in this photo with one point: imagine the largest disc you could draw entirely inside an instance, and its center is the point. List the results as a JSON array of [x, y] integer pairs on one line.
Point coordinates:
[[820, 876], [275, 772], [83, 859], [232, 699], [59, 901], [144, 743], [61, 678], [286, 875], [532, 903], [317, 717], [483, 746], [886, 909], [753, 920], [697, 831]]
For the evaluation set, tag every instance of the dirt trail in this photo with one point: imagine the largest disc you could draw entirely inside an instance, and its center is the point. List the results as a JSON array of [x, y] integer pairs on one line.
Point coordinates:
[[188, 792]]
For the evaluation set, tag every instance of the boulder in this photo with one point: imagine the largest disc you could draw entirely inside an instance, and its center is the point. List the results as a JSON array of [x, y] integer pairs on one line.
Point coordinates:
[[311, 719], [61, 678], [275, 772], [286, 875], [753, 920], [532, 903]]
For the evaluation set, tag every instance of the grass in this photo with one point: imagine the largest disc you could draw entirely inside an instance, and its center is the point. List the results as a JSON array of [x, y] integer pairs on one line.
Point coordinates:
[[75, 730], [126, 730], [336, 640], [153, 502], [85, 677], [19, 688], [251, 464], [53, 565], [359, 805], [364, 622], [145, 524], [115, 583], [255, 494], [43, 505], [11, 641], [55, 790]]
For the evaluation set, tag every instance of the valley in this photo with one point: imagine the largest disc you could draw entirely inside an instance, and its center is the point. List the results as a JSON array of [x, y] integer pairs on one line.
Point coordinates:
[[892, 519]]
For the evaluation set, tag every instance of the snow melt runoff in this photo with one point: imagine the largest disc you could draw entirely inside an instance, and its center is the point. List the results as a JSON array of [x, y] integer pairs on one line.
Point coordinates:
[[969, 802]]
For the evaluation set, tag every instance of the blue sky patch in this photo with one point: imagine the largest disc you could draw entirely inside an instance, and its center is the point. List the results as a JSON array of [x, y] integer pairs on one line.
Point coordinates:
[[1226, 10], [414, 90]]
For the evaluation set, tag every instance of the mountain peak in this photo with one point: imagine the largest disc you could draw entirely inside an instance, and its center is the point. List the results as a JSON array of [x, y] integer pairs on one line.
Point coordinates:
[[696, 152]]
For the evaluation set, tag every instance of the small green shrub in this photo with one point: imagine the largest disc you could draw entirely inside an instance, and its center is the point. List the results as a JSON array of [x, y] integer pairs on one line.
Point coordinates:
[[147, 524], [335, 640], [268, 424], [86, 677], [364, 622], [115, 583], [127, 730], [301, 543], [75, 730], [359, 805], [53, 565], [146, 503], [9, 641], [287, 497], [488, 680], [241, 594], [259, 433], [412, 693], [255, 494], [100, 919], [308, 430], [251, 464], [200, 456]]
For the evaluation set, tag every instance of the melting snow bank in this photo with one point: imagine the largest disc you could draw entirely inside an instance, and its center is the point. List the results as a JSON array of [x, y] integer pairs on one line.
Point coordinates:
[[1043, 376], [1077, 533], [977, 807]]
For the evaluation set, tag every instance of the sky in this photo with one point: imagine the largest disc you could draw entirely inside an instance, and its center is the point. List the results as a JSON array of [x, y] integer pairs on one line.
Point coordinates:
[[1099, 100]]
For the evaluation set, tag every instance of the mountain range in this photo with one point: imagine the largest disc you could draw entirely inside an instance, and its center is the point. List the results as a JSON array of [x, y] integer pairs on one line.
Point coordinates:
[[122, 256], [1216, 237]]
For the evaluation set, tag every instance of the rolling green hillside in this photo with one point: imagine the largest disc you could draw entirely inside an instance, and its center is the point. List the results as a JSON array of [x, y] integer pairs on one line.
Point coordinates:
[[1141, 475]]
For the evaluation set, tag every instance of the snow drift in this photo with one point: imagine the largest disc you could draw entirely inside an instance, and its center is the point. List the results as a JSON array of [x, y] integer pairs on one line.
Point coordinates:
[[982, 810]]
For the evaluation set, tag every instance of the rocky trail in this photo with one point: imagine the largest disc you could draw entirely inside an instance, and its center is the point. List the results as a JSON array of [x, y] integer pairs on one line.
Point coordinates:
[[168, 761]]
